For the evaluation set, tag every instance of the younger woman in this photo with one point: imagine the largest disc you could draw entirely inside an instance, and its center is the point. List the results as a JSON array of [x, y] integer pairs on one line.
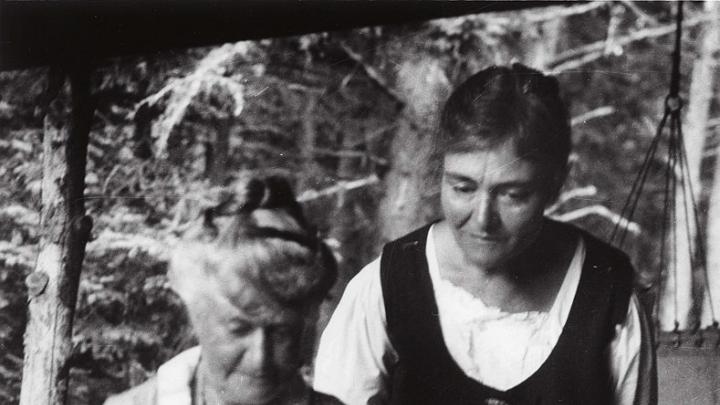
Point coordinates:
[[494, 304]]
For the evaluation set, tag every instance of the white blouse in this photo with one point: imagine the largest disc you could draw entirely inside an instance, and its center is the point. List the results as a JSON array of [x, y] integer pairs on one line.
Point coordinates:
[[495, 348]]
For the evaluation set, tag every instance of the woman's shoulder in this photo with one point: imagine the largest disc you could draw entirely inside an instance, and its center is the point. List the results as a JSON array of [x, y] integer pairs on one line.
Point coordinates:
[[595, 247], [173, 378], [605, 268], [363, 290], [143, 394], [418, 235]]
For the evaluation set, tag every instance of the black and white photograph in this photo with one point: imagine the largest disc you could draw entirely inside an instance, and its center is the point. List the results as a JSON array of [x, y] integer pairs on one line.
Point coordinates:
[[343, 202]]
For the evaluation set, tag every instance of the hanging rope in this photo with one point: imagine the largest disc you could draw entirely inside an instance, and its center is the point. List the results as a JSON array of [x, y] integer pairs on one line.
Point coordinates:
[[677, 179]]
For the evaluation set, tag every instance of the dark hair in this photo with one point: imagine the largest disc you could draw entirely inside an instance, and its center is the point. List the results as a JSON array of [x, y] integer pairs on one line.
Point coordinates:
[[501, 103], [290, 263]]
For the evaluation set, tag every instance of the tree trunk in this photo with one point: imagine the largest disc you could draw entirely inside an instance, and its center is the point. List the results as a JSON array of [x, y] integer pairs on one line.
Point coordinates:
[[53, 285], [541, 48], [709, 59], [676, 302], [400, 208], [217, 149], [423, 86], [309, 142]]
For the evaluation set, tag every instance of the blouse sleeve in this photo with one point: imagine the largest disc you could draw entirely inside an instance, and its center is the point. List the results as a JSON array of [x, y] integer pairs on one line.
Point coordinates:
[[355, 352], [632, 359]]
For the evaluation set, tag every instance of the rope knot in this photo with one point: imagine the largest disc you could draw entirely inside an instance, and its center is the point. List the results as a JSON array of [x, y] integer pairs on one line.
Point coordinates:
[[673, 104]]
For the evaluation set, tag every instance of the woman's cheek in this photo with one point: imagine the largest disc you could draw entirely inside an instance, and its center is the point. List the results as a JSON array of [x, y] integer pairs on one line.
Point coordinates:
[[457, 211], [524, 216]]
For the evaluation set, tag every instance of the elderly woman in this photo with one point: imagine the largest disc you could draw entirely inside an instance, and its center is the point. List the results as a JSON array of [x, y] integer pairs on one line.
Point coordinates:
[[493, 304], [251, 274]]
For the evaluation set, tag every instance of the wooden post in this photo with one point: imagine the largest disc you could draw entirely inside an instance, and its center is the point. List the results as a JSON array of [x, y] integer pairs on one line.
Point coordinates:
[[53, 285], [423, 86]]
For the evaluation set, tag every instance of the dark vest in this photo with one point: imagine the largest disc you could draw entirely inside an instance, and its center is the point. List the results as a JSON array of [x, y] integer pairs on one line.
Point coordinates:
[[576, 372]]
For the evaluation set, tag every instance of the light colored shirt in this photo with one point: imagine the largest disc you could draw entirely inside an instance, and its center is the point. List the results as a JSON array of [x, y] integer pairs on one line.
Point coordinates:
[[172, 385], [174, 378], [495, 348]]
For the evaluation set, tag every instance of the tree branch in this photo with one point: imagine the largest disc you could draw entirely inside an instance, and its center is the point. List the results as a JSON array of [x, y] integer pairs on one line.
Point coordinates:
[[643, 16], [576, 63], [603, 212], [267, 129], [587, 191], [349, 154], [599, 46], [555, 13], [109, 177], [371, 136], [372, 74], [262, 146], [341, 186], [592, 114]]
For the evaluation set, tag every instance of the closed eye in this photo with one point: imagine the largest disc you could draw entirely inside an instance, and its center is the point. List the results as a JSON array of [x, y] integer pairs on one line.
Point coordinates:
[[240, 328], [463, 188], [515, 194]]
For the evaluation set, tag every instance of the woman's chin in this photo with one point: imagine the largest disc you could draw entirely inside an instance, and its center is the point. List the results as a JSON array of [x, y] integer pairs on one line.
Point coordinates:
[[245, 390]]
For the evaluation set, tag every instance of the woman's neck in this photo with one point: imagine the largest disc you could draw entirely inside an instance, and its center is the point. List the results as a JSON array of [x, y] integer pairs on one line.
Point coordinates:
[[529, 281]]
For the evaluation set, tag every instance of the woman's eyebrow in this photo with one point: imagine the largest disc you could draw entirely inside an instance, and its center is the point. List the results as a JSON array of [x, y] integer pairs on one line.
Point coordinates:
[[235, 318], [519, 184], [510, 183], [458, 177]]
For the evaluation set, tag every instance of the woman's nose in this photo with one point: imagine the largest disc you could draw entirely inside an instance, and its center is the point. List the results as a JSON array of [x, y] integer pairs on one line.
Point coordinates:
[[485, 213], [257, 354]]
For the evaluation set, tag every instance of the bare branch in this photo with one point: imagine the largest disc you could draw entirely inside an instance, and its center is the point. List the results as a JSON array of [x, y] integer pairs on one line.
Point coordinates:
[[262, 146], [643, 16], [371, 136], [534, 16], [576, 63], [372, 74], [603, 212], [266, 129], [349, 154], [305, 88], [592, 114], [109, 177], [554, 13], [611, 47], [599, 46], [587, 191], [710, 151], [340, 187]]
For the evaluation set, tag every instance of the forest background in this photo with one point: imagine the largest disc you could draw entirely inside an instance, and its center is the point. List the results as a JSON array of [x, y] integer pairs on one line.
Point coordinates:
[[345, 116]]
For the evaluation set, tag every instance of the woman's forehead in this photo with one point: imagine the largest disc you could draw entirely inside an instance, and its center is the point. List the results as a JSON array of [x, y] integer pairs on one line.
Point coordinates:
[[500, 161], [250, 304]]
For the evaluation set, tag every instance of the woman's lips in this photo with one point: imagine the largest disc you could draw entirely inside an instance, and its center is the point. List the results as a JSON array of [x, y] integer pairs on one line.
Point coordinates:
[[486, 238]]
